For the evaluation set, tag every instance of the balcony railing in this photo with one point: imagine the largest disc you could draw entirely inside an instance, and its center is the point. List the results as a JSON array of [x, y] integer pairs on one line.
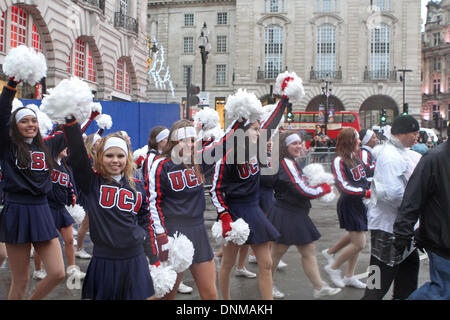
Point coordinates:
[[320, 75], [123, 21], [380, 75], [262, 75], [97, 3]]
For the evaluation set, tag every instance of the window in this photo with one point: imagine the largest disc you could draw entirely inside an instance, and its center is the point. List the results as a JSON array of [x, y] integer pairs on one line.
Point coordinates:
[[69, 63], [188, 44], [222, 18], [326, 50], [273, 51], [80, 54], [36, 39], [436, 38], [348, 118], [122, 77], [380, 39], [383, 5], [436, 86], [221, 74], [18, 27], [326, 5], [188, 19], [273, 6], [2, 31], [187, 72], [221, 44], [91, 68], [84, 66], [436, 64], [123, 7]]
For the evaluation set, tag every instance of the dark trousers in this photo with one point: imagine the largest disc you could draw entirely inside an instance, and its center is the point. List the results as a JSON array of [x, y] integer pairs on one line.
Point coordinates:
[[404, 275]]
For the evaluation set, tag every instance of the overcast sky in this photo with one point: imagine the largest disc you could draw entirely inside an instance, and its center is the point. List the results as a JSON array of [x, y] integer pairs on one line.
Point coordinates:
[[424, 12]]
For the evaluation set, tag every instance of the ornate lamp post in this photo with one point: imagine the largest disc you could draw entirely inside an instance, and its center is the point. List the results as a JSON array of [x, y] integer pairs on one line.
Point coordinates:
[[205, 47], [326, 90]]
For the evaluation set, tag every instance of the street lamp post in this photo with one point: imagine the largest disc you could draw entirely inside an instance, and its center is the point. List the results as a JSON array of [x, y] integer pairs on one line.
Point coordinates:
[[204, 51], [326, 90], [403, 79]]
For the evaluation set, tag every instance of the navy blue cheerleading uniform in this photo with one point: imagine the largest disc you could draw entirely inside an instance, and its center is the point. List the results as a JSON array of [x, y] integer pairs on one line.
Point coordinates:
[[352, 185], [1, 184], [62, 194], [120, 228], [266, 192], [236, 188], [367, 158], [26, 216], [147, 164], [177, 198], [290, 212]]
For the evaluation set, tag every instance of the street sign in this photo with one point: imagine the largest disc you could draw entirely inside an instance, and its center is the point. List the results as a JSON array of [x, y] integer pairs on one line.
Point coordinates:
[[204, 98]]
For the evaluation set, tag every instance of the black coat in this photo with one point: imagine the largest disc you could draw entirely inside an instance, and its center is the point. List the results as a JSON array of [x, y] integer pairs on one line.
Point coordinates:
[[427, 198]]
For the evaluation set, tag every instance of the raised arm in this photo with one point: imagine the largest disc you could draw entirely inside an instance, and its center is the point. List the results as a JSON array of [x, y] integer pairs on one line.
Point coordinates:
[[6, 99]]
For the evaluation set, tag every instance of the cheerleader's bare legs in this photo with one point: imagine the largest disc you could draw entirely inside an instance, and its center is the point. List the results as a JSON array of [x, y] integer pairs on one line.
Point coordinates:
[[264, 259], [204, 275], [19, 264], [81, 234], [343, 242], [229, 254], [2, 253], [350, 252]]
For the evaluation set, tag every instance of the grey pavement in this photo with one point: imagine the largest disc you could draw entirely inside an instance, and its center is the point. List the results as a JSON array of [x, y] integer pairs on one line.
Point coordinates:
[[292, 280]]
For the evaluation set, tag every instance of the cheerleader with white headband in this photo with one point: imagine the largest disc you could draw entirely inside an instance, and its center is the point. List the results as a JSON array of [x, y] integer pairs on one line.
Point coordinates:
[[290, 213], [156, 142], [121, 228], [368, 141]]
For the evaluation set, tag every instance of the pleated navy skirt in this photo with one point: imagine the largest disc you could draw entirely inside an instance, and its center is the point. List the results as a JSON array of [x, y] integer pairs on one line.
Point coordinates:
[[26, 219], [266, 199], [294, 224], [118, 275], [352, 214], [197, 233], [261, 229], [62, 217]]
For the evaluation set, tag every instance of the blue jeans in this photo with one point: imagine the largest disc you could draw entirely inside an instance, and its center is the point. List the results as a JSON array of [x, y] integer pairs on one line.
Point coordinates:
[[439, 286]]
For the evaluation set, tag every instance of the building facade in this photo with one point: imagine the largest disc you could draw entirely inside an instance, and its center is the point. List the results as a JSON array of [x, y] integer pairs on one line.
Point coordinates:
[[100, 41], [436, 66], [358, 46]]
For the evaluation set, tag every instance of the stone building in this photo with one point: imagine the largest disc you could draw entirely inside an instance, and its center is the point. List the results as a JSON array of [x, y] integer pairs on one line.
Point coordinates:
[[358, 46], [436, 66], [101, 41]]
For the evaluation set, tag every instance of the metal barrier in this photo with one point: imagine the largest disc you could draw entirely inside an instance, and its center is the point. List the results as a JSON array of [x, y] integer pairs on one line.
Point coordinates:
[[324, 156]]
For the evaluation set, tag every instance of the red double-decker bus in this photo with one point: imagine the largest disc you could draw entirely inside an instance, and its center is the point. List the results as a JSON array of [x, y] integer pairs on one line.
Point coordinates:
[[308, 122]]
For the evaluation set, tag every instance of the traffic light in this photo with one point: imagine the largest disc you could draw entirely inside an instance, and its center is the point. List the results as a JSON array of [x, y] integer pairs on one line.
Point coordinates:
[[192, 95], [383, 116], [289, 114], [405, 109]]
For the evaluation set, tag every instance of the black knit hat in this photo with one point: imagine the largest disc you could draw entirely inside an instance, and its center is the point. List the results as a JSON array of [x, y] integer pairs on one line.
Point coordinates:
[[404, 124]]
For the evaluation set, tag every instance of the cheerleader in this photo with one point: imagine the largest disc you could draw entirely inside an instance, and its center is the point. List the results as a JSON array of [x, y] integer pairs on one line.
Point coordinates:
[[368, 141], [157, 140], [26, 217], [352, 183], [290, 213], [235, 193], [120, 224]]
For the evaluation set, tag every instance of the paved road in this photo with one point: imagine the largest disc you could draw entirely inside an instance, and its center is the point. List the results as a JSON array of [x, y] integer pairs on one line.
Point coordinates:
[[292, 280]]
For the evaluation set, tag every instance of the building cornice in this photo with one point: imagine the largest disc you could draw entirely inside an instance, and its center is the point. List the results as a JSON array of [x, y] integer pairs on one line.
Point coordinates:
[[155, 3]]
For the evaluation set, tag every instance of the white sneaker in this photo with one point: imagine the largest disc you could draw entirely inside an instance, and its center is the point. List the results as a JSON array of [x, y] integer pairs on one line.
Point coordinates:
[[75, 271], [277, 294], [329, 257], [245, 273], [39, 274], [82, 254], [281, 265], [75, 242], [353, 282], [184, 288], [335, 276], [252, 259], [326, 290]]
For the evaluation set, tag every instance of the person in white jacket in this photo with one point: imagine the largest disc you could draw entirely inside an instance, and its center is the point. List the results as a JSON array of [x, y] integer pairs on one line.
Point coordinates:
[[395, 164]]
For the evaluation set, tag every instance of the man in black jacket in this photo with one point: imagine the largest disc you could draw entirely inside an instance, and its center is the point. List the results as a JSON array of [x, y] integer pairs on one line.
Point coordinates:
[[427, 198]]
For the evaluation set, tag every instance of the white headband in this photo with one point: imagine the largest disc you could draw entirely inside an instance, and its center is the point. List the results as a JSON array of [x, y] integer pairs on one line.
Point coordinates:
[[292, 138], [183, 133], [23, 113], [116, 142], [96, 138], [367, 136], [162, 135]]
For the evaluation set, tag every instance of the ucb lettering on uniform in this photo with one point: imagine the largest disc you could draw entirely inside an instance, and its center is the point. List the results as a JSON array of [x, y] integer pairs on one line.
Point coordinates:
[[60, 178], [121, 198], [182, 178], [247, 169], [358, 172]]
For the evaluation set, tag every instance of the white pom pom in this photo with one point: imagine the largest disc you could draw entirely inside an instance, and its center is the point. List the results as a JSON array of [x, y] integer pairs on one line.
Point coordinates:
[[77, 213], [294, 89], [70, 96], [45, 124], [316, 175], [238, 235], [329, 197], [140, 152], [181, 252], [16, 104], [104, 121], [366, 202], [244, 104], [164, 278], [208, 117], [96, 106], [25, 64], [215, 133]]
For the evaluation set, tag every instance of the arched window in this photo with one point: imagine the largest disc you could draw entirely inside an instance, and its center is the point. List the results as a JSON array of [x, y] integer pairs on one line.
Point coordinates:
[[273, 51], [326, 50], [273, 6], [2, 31], [84, 66], [122, 76], [380, 49]]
